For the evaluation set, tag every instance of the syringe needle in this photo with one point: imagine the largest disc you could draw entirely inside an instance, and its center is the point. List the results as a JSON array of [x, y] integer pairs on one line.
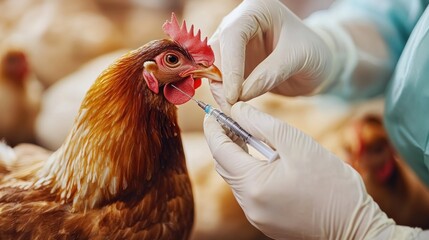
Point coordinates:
[[180, 90], [200, 103]]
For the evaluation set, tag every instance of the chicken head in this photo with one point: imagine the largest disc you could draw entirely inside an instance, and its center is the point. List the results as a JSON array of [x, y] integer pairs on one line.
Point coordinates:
[[183, 65]]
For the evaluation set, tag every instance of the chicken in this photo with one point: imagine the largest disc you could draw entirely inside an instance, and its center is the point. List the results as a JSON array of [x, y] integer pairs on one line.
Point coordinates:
[[392, 184], [20, 95], [61, 101], [121, 172]]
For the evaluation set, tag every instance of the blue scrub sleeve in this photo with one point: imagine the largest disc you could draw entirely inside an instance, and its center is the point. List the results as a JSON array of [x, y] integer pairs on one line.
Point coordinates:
[[407, 101], [371, 71]]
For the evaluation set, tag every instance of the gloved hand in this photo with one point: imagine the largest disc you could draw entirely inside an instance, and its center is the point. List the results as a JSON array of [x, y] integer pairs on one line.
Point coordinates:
[[290, 58], [307, 193]]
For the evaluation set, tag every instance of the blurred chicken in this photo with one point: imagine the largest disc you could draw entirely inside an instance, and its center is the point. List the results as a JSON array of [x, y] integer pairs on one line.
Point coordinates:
[[121, 173], [392, 184], [61, 101], [20, 95]]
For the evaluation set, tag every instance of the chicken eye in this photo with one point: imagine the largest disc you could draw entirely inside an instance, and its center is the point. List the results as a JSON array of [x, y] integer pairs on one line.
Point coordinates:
[[172, 60]]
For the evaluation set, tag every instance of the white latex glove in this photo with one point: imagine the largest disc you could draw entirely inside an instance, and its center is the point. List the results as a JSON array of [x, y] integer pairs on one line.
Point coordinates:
[[290, 58], [306, 194]]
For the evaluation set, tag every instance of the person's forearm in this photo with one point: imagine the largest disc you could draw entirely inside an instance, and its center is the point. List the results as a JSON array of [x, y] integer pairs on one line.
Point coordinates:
[[367, 39], [361, 58]]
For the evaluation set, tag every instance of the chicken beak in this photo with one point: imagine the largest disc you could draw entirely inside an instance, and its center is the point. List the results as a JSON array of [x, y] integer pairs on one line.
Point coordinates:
[[212, 73]]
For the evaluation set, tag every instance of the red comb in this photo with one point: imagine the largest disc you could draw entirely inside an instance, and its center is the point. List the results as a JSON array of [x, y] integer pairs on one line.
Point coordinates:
[[199, 50]]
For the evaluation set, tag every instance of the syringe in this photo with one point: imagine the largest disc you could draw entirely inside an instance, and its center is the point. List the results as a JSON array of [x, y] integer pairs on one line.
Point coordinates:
[[233, 126]]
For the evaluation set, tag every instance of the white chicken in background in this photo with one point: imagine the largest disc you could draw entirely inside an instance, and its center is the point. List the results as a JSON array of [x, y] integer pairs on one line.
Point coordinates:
[[62, 100]]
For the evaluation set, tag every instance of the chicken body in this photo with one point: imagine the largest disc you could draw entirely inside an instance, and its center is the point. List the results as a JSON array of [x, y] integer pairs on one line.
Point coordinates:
[[162, 211], [121, 173]]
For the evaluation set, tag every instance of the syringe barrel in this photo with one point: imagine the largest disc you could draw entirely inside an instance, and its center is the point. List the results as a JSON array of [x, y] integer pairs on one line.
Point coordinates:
[[228, 122], [232, 125]]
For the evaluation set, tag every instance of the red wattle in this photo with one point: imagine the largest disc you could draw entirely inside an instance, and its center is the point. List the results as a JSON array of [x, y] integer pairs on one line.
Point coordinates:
[[175, 96]]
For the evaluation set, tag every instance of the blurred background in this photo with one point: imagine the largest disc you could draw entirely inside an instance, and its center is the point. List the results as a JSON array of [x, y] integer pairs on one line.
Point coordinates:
[[52, 51]]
